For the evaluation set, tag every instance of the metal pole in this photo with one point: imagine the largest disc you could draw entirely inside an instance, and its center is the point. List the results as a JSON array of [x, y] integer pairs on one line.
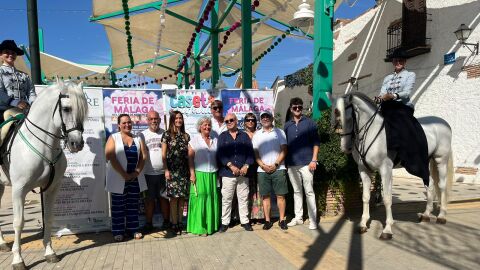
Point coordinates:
[[196, 62], [186, 78], [247, 44], [33, 41], [323, 55], [215, 42]]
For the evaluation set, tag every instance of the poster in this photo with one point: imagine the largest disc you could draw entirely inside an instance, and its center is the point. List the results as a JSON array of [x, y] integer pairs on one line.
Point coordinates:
[[136, 103], [241, 102], [81, 204], [193, 104]]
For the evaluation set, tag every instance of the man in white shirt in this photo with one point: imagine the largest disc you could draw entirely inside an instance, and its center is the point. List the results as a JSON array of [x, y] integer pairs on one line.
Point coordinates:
[[154, 173], [218, 126], [270, 146]]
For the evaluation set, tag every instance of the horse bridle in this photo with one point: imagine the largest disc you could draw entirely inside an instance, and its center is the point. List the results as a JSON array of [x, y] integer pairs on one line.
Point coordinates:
[[64, 136], [338, 125], [65, 131], [360, 146]]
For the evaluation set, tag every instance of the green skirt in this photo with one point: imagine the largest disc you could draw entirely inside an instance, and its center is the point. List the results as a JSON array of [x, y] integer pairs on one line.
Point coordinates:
[[203, 205]]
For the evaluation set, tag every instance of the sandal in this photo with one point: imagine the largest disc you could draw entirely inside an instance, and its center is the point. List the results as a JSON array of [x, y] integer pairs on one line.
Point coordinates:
[[137, 235], [118, 238]]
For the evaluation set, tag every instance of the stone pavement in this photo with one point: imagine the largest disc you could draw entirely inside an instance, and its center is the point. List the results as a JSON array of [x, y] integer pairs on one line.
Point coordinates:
[[335, 245]]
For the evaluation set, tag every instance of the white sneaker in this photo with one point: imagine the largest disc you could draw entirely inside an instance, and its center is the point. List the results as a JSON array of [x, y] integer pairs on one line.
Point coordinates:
[[295, 222], [312, 226]]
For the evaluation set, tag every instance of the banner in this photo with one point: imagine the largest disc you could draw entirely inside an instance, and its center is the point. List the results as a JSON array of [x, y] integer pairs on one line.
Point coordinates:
[[241, 102], [193, 104], [136, 103], [81, 204]]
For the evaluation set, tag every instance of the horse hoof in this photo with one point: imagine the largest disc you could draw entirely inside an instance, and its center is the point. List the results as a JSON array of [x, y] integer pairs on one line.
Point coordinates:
[[5, 248], [424, 218], [441, 221], [386, 236], [19, 266], [52, 258], [363, 230]]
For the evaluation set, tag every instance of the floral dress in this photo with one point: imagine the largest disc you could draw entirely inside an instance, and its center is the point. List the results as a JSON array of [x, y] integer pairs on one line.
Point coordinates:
[[177, 163]]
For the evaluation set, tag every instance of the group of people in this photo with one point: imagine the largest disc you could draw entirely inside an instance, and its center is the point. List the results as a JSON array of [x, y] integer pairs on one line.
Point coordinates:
[[209, 169], [223, 164]]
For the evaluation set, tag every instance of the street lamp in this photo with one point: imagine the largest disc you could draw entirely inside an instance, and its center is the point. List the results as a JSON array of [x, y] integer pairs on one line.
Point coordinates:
[[303, 17], [462, 33]]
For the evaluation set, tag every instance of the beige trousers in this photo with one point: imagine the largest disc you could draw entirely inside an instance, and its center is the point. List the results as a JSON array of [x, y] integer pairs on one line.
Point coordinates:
[[229, 186], [302, 179]]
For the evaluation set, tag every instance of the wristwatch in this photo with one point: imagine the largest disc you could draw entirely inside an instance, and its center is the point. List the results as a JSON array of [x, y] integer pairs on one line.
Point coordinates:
[[276, 165], [229, 164]]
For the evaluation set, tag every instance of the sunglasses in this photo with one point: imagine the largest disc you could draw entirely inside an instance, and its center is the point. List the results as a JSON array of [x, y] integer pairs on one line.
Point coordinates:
[[297, 108], [229, 121], [216, 108], [250, 120]]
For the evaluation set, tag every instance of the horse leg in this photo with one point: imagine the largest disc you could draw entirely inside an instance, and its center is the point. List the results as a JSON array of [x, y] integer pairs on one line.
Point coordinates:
[[3, 244], [386, 174], [425, 217], [442, 185], [18, 201], [366, 183], [49, 200]]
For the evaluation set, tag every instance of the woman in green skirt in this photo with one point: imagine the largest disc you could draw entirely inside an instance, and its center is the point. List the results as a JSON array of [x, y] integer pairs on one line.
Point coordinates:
[[203, 207]]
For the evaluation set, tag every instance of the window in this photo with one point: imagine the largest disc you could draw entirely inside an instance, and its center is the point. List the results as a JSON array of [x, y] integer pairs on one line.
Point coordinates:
[[410, 31]]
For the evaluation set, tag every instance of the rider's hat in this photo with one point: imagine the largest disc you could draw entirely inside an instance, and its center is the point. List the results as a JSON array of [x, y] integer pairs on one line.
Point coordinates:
[[399, 53], [9, 44]]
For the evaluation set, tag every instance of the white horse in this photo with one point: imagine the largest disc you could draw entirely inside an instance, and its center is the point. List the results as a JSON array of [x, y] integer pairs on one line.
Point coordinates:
[[35, 157], [362, 133]]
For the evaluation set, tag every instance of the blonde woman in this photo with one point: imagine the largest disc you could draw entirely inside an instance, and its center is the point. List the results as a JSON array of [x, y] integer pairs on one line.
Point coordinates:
[[204, 208]]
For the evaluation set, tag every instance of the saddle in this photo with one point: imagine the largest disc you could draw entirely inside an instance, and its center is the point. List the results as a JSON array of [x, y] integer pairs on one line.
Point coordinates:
[[8, 128]]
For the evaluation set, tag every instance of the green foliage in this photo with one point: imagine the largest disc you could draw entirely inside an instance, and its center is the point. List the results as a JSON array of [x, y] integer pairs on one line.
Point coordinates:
[[303, 76], [337, 172]]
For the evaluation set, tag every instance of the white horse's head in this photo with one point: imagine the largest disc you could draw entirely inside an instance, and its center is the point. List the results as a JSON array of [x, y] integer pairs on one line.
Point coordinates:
[[72, 109], [342, 121]]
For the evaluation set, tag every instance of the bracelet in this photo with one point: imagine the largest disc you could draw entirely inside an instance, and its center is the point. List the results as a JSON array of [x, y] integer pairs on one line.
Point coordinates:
[[316, 162]]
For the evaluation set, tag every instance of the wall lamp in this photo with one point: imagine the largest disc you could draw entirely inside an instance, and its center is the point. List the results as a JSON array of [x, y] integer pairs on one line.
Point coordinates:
[[462, 33]]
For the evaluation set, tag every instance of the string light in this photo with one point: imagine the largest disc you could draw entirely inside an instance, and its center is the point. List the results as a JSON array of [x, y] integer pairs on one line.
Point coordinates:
[[126, 15]]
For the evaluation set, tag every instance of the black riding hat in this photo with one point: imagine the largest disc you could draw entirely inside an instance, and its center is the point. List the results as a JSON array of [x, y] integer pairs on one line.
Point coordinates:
[[9, 44], [399, 53]]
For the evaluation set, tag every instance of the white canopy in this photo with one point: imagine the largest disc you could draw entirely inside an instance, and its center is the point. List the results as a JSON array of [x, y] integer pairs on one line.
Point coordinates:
[[53, 66], [145, 27]]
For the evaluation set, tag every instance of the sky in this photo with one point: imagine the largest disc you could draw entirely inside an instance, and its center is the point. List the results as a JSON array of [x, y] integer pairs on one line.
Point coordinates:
[[69, 34]]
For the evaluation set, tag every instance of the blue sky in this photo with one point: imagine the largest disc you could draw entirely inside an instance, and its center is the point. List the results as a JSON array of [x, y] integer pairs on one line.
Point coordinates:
[[69, 34]]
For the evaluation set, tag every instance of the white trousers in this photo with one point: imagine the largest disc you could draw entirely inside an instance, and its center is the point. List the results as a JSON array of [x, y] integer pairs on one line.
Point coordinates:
[[229, 185], [302, 176]]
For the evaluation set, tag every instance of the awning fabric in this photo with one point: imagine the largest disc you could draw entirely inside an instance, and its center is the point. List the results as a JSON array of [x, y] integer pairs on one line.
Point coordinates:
[[145, 28]]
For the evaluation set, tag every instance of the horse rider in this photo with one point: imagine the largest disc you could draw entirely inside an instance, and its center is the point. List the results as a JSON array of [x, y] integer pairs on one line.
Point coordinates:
[[404, 133], [16, 87]]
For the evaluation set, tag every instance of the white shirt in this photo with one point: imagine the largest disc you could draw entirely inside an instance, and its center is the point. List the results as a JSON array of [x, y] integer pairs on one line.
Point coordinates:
[[268, 144], [153, 142], [205, 156], [216, 128]]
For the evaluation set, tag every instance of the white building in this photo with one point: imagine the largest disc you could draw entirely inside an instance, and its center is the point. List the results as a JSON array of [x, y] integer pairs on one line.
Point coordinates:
[[425, 29]]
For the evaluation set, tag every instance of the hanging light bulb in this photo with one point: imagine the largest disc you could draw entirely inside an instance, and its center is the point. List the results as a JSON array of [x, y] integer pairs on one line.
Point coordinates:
[[303, 17]]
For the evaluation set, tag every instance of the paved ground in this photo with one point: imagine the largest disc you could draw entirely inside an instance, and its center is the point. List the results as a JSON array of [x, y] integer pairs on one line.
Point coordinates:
[[336, 245]]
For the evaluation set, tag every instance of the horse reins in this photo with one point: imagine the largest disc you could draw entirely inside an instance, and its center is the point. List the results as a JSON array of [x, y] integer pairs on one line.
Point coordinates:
[[360, 146], [64, 137]]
